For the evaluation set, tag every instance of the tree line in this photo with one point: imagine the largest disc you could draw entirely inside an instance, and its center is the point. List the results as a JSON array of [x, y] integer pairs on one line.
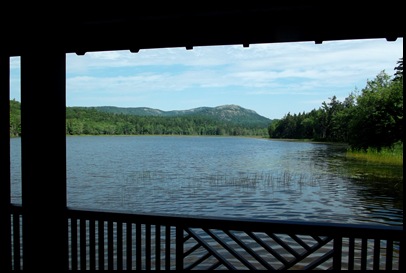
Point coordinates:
[[372, 117], [90, 121]]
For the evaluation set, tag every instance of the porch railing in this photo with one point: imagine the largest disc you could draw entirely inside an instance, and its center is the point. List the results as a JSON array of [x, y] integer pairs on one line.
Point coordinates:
[[106, 240]]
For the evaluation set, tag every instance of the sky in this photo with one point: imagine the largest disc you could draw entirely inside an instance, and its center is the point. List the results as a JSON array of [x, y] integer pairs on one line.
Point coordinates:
[[271, 79]]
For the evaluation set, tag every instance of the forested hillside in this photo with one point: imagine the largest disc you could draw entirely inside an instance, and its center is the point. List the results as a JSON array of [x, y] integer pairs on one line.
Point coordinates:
[[370, 118], [225, 113], [229, 120], [91, 121]]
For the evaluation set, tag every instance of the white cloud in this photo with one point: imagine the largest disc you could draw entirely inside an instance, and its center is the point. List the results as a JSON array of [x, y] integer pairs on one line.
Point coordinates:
[[261, 71]]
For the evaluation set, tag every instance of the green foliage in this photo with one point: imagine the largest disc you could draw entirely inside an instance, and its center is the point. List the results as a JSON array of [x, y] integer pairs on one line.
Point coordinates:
[[226, 113], [377, 120], [15, 118], [399, 71], [90, 121], [121, 121], [373, 119], [390, 155]]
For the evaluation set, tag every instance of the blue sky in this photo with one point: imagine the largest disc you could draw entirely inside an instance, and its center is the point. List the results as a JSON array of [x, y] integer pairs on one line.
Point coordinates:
[[271, 79]]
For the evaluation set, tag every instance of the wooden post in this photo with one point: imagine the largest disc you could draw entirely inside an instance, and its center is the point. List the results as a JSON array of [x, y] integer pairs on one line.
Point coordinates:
[[5, 234], [43, 153]]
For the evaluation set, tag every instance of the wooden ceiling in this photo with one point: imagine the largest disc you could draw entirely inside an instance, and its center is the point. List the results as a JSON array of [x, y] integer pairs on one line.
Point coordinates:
[[114, 26]]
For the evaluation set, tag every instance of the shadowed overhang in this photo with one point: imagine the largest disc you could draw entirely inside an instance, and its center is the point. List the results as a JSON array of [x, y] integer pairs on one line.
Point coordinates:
[[136, 26]]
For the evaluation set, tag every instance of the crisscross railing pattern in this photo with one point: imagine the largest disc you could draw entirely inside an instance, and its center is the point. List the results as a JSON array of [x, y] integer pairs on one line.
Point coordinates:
[[138, 241], [102, 240], [225, 249]]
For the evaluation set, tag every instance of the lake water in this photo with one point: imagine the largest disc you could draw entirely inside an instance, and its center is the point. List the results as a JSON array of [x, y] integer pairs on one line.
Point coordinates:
[[225, 176]]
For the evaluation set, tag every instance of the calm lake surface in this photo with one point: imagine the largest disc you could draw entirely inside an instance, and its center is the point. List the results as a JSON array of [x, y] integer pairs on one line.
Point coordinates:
[[226, 176]]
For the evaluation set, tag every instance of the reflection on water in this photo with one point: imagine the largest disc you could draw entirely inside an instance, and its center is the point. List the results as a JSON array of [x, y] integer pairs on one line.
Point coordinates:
[[379, 188], [227, 176]]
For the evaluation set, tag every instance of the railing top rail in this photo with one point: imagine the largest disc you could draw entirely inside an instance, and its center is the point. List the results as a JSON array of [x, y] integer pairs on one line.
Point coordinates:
[[245, 224]]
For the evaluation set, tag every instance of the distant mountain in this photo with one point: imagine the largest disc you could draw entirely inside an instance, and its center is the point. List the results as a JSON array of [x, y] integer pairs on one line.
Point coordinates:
[[225, 113]]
